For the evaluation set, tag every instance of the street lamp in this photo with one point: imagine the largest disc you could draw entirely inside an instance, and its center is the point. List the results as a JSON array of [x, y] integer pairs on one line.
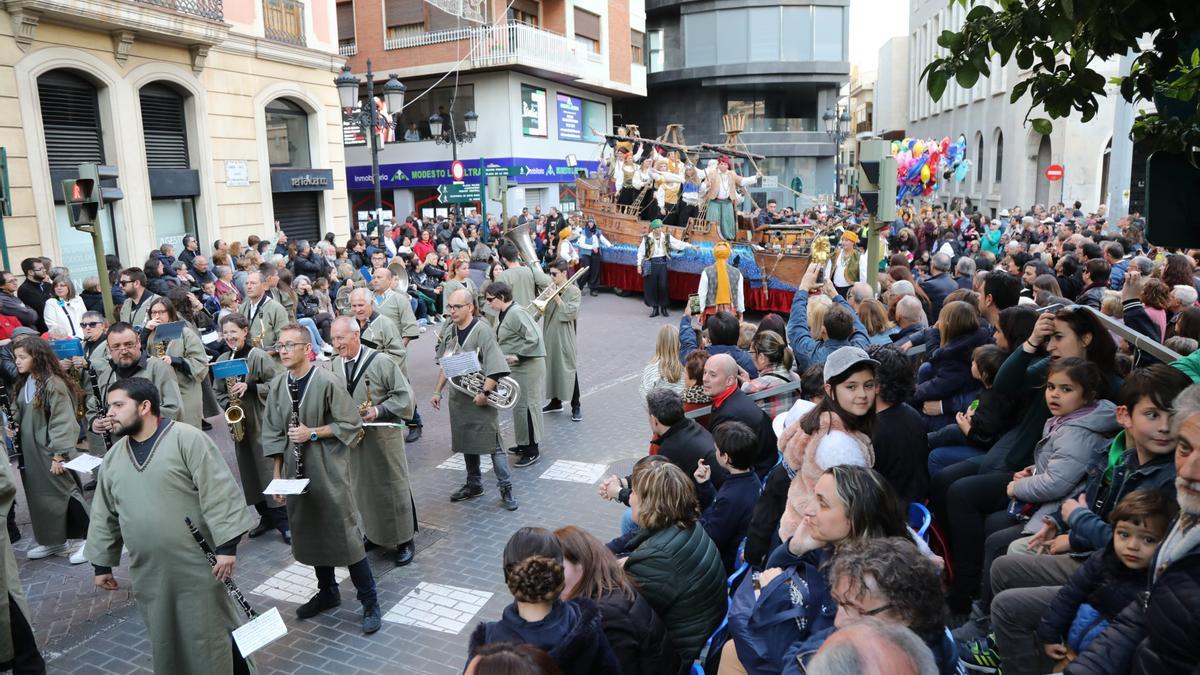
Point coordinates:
[[445, 133], [836, 123], [369, 118]]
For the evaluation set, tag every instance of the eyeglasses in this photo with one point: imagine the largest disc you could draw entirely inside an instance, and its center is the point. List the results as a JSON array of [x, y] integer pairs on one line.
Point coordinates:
[[91, 324], [289, 346], [490, 298], [454, 306], [125, 281]]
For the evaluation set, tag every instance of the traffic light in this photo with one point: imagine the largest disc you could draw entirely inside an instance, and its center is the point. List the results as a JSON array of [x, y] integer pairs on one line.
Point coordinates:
[[877, 179], [86, 196]]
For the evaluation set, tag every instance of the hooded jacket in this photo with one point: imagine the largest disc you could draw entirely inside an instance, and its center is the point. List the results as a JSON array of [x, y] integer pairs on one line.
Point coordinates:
[[946, 373], [571, 634]]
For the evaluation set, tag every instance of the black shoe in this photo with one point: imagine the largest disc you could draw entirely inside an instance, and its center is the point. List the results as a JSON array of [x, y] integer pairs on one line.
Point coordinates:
[[205, 425], [527, 459], [594, 293], [414, 434], [665, 312], [262, 528], [14, 535], [507, 500], [372, 621], [369, 545], [576, 414], [653, 312], [405, 553], [515, 450], [326, 598], [89, 486], [466, 492], [553, 406], [287, 536]]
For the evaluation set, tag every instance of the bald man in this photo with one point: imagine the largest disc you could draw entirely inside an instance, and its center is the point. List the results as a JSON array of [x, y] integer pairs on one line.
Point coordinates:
[[376, 331], [722, 383], [873, 647]]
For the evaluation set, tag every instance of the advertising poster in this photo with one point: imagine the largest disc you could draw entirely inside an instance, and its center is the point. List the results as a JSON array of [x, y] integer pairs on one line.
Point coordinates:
[[570, 118], [533, 111]]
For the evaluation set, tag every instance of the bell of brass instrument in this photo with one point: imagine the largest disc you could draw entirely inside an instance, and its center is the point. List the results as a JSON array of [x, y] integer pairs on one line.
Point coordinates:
[[160, 348], [551, 292], [234, 414], [503, 397], [519, 236], [257, 340]]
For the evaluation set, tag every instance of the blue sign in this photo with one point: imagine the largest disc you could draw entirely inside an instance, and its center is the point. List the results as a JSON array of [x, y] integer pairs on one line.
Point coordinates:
[[432, 174], [229, 368], [570, 118], [65, 349]]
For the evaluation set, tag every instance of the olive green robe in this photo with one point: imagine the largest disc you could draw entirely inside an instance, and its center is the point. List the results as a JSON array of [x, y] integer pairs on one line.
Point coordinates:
[[474, 430], [268, 319], [255, 468], [49, 427], [188, 613], [451, 285], [395, 306], [9, 571], [518, 335], [379, 465], [382, 335], [156, 371], [187, 349], [137, 314], [526, 283], [324, 520], [485, 307], [558, 327]]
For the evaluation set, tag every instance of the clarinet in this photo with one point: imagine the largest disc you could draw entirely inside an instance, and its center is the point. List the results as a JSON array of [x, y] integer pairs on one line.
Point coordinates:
[[293, 422], [212, 560], [102, 411], [14, 430]]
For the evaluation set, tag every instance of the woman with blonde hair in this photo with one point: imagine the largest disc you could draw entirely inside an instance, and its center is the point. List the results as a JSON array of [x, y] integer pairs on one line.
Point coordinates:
[[664, 370], [818, 307]]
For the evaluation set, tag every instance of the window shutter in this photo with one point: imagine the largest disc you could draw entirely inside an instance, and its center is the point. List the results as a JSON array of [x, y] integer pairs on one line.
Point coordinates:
[[70, 120], [345, 21], [587, 25], [164, 127], [403, 12]]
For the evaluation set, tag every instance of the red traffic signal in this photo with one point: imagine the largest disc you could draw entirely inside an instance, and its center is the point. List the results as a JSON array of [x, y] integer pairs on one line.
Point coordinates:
[[81, 190], [80, 196]]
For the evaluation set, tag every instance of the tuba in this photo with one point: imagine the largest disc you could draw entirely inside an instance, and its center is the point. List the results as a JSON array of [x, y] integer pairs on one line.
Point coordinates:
[[519, 236], [503, 397], [234, 414], [551, 292]]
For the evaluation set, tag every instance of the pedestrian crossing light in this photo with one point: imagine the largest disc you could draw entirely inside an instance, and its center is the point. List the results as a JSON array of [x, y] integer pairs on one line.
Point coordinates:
[[86, 196], [877, 179]]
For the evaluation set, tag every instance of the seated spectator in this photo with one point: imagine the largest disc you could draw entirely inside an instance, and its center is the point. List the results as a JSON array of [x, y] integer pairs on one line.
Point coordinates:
[[664, 370], [872, 647], [944, 383], [874, 318], [840, 327], [773, 358], [981, 424], [899, 441], [570, 631], [693, 380], [635, 632], [723, 333], [910, 319], [671, 560], [93, 299], [731, 403], [511, 657], [725, 511], [1181, 345], [939, 284]]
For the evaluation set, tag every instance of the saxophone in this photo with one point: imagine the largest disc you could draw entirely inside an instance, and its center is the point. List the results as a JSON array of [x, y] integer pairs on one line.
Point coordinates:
[[363, 408], [234, 414], [160, 348]]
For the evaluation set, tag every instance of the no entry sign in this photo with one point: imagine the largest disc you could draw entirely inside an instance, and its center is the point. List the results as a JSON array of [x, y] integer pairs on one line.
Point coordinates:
[[457, 171], [1054, 172]]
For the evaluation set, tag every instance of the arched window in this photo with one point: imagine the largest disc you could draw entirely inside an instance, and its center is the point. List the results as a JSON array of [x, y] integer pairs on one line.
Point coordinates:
[[287, 134], [70, 120], [174, 184], [999, 155], [979, 158]]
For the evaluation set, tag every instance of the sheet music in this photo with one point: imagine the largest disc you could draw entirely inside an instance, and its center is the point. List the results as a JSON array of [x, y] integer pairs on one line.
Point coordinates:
[[463, 363], [259, 632], [286, 486], [84, 463]]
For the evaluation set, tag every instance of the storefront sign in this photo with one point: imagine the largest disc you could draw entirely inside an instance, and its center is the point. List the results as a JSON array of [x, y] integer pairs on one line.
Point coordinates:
[[237, 173], [301, 180], [533, 111], [432, 174], [570, 118]]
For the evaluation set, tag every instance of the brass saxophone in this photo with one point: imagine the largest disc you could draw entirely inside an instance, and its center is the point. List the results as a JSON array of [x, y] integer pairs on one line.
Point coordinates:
[[257, 340], [363, 408], [160, 348], [234, 414]]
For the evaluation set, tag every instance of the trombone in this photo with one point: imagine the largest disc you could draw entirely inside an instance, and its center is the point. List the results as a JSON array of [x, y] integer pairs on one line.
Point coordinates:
[[551, 292]]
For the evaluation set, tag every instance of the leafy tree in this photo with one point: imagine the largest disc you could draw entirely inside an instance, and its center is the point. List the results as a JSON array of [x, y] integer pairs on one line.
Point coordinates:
[[1057, 41]]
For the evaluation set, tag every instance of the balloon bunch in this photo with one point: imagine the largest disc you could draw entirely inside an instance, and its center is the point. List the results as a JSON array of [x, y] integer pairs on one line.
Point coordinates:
[[921, 165]]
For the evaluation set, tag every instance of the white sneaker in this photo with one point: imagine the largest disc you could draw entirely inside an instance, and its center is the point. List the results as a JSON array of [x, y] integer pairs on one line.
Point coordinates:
[[77, 557], [39, 552]]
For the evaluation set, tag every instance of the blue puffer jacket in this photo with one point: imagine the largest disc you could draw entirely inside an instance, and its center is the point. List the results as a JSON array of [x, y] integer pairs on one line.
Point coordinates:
[[1096, 593], [946, 373]]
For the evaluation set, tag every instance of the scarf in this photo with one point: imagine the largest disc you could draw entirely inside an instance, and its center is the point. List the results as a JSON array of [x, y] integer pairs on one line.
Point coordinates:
[[721, 254], [1055, 423]]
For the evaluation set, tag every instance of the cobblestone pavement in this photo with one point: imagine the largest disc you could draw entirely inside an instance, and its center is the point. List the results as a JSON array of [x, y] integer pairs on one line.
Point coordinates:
[[430, 606]]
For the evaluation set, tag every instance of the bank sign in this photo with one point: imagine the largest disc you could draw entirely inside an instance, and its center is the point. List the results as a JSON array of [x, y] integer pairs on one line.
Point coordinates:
[[432, 174]]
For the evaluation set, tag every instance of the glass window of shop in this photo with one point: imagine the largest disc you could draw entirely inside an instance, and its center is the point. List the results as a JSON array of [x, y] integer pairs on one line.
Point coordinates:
[[445, 101], [173, 219], [287, 134]]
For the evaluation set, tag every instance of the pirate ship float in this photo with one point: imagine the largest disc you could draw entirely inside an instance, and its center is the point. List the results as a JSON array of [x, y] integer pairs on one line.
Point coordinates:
[[771, 258]]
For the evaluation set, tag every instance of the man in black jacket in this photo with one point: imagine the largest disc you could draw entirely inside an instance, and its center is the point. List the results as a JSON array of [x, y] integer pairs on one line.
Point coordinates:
[[939, 285], [681, 440], [11, 305], [36, 289], [731, 403]]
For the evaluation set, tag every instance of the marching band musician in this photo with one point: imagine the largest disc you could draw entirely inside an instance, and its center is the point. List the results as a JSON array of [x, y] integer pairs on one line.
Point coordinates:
[[266, 316], [722, 188], [324, 522], [525, 281], [126, 359], [474, 425], [135, 309], [45, 399], [254, 468], [392, 302], [95, 349], [186, 357], [378, 466], [652, 255], [558, 327], [158, 473], [375, 330], [521, 343]]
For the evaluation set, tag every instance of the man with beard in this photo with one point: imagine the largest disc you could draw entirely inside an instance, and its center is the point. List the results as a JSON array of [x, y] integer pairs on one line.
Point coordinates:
[[36, 289], [159, 473], [136, 308], [126, 359], [265, 314]]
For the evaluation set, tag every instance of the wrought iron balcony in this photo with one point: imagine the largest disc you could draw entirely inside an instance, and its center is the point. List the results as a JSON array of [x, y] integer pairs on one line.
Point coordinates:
[[283, 21], [205, 9]]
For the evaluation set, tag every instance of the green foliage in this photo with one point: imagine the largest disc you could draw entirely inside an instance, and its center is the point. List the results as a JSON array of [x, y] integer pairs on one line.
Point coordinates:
[[1055, 43]]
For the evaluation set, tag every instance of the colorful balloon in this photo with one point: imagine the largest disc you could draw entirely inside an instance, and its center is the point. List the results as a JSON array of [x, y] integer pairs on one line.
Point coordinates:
[[918, 148]]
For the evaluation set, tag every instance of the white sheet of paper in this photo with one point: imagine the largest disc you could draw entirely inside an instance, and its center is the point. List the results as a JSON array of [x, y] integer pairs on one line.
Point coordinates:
[[286, 486], [84, 463], [461, 364], [262, 631]]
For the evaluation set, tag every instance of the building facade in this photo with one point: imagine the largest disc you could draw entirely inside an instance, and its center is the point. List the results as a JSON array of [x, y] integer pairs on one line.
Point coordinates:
[[1009, 159], [221, 117], [782, 64], [540, 75], [890, 113]]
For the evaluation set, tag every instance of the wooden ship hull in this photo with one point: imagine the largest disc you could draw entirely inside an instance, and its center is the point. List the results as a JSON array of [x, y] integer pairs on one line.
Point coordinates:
[[772, 260]]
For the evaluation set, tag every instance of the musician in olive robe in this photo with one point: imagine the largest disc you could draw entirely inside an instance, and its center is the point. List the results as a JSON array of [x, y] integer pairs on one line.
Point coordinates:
[[186, 357], [378, 465], [267, 317], [521, 342], [135, 309], [126, 359], [558, 330], [45, 412], [474, 424], [525, 281], [376, 330], [18, 646], [392, 302], [255, 468], [324, 520], [158, 473]]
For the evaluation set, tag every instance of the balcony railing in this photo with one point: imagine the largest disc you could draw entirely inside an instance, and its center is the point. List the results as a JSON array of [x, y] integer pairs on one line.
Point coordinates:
[[283, 21], [422, 39], [786, 124], [205, 9], [522, 44], [347, 48]]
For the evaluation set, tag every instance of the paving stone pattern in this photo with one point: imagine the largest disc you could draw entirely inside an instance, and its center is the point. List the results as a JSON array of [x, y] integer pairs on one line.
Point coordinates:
[[431, 605]]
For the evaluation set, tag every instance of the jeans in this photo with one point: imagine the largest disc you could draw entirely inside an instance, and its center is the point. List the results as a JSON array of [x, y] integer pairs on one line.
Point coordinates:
[[499, 466], [975, 509], [1024, 586], [628, 527], [942, 458], [360, 574], [311, 326]]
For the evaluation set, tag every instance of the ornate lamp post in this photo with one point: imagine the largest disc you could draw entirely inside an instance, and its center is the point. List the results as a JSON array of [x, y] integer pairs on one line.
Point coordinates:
[[836, 123], [445, 133], [369, 118]]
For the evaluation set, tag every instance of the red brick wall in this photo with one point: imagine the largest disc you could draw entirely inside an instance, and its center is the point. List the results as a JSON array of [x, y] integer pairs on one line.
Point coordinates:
[[618, 41]]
